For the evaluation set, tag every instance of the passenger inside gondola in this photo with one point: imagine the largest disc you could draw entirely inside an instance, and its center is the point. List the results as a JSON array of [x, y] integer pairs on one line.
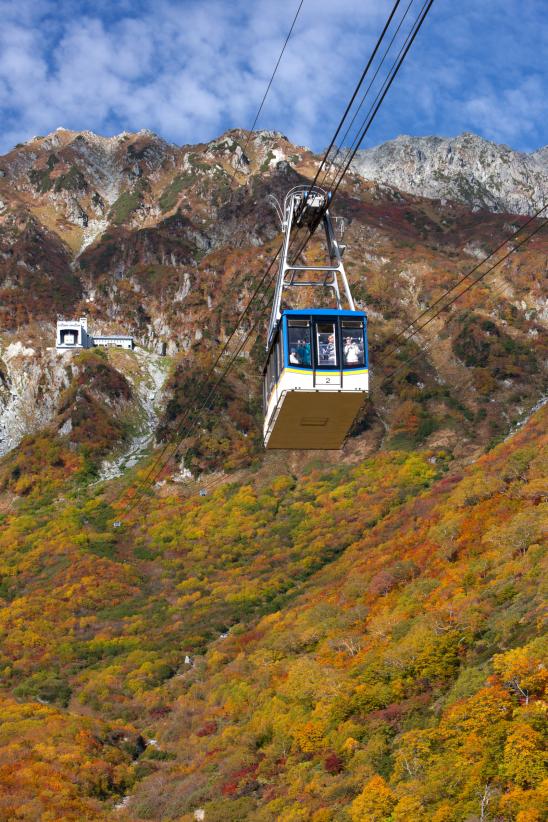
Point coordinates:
[[351, 352], [299, 344], [303, 352], [327, 353], [353, 345]]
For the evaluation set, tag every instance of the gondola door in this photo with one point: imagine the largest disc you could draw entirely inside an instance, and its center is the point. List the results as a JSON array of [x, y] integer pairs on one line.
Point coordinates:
[[327, 353]]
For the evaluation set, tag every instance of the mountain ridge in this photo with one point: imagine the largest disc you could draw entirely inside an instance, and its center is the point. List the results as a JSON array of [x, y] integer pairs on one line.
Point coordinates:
[[466, 168], [166, 244]]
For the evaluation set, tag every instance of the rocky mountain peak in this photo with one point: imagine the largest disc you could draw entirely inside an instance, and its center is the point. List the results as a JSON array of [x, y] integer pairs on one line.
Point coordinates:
[[466, 168], [541, 157]]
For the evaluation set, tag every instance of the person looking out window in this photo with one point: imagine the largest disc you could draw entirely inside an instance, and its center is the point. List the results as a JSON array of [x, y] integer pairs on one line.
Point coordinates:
[[351, 351]]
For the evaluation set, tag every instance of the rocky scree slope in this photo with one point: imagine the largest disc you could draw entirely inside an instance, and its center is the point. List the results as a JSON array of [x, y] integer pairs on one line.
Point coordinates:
[[167, 243], [466, 169], [101, 401]]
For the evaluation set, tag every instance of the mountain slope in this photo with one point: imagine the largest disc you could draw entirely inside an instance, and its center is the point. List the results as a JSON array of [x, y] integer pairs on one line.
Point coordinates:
[[168, 243], [406, 681], [281, 648], [466, 169], [339, 636]]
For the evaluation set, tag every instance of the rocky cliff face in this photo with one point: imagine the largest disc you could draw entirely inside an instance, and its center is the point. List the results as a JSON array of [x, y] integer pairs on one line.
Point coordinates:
[[466, 169], [31, 381], [167, 243], [78, 395]]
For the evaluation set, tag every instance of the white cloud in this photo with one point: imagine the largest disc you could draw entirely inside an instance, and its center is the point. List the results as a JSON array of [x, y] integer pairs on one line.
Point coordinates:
[[189, 69]]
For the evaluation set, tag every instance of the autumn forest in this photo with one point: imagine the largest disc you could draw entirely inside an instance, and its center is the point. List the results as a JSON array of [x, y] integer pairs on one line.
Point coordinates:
[[351, 636]]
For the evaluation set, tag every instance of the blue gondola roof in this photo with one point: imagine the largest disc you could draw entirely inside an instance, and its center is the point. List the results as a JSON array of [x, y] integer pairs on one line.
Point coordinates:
[[321, 312]]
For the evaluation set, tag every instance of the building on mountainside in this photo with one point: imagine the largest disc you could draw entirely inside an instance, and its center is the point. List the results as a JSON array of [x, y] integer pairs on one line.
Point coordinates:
[[116, 341], [74, 334]]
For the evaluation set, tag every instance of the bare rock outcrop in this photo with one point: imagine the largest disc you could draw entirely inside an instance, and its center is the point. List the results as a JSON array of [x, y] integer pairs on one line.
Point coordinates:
[[467, 169]]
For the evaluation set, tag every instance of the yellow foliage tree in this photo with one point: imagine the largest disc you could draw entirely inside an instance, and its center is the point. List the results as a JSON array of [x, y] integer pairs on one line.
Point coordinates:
[[408, 809], [309, 736], [523, 670], [375, 803], [524, 758]]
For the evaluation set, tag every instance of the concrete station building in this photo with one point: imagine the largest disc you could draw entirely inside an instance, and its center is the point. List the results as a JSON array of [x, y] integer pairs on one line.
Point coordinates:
[[74, 334]]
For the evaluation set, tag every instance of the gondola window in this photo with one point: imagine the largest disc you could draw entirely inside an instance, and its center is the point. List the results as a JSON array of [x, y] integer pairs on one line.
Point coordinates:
[[353, 344], [326, 344], [299, 343]]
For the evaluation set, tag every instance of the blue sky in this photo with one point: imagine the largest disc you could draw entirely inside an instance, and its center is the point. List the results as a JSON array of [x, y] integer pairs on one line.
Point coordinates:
[[190, 69]]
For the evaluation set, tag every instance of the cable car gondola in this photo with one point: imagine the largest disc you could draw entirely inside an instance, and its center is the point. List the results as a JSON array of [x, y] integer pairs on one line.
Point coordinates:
[[316, 373]]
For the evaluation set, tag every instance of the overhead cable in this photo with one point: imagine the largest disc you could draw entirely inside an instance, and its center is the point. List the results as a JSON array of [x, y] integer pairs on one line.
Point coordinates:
[[467, 288], [356, 91], [466, 277], [386, 87], [250, 133]]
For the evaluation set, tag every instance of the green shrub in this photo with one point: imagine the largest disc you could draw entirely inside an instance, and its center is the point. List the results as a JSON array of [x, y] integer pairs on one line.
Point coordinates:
[[125, 205], [169, 196], [46, 686], [41, 180], [73, 180]]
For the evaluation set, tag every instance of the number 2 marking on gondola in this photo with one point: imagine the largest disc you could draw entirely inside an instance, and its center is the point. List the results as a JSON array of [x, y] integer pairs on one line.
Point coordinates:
[[327, 380]]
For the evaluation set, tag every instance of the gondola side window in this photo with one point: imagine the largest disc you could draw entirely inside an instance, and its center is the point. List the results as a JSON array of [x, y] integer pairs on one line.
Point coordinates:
[[279, 356], [326, 344], [271, 372], [274, 367], [353, 343], [299, 343]]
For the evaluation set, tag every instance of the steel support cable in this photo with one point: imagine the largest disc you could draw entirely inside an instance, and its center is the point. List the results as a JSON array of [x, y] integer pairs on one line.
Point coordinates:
[[463, 385], [351, 102], [429, 342], [428, 347], [213, 483], [370, 116], [332, 162], [246, 144], [463, 279], [206, 378], [466, 383], [356, 91], [220, 480], [190, 407], [427, 5], [461, 293], [181, 435]]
